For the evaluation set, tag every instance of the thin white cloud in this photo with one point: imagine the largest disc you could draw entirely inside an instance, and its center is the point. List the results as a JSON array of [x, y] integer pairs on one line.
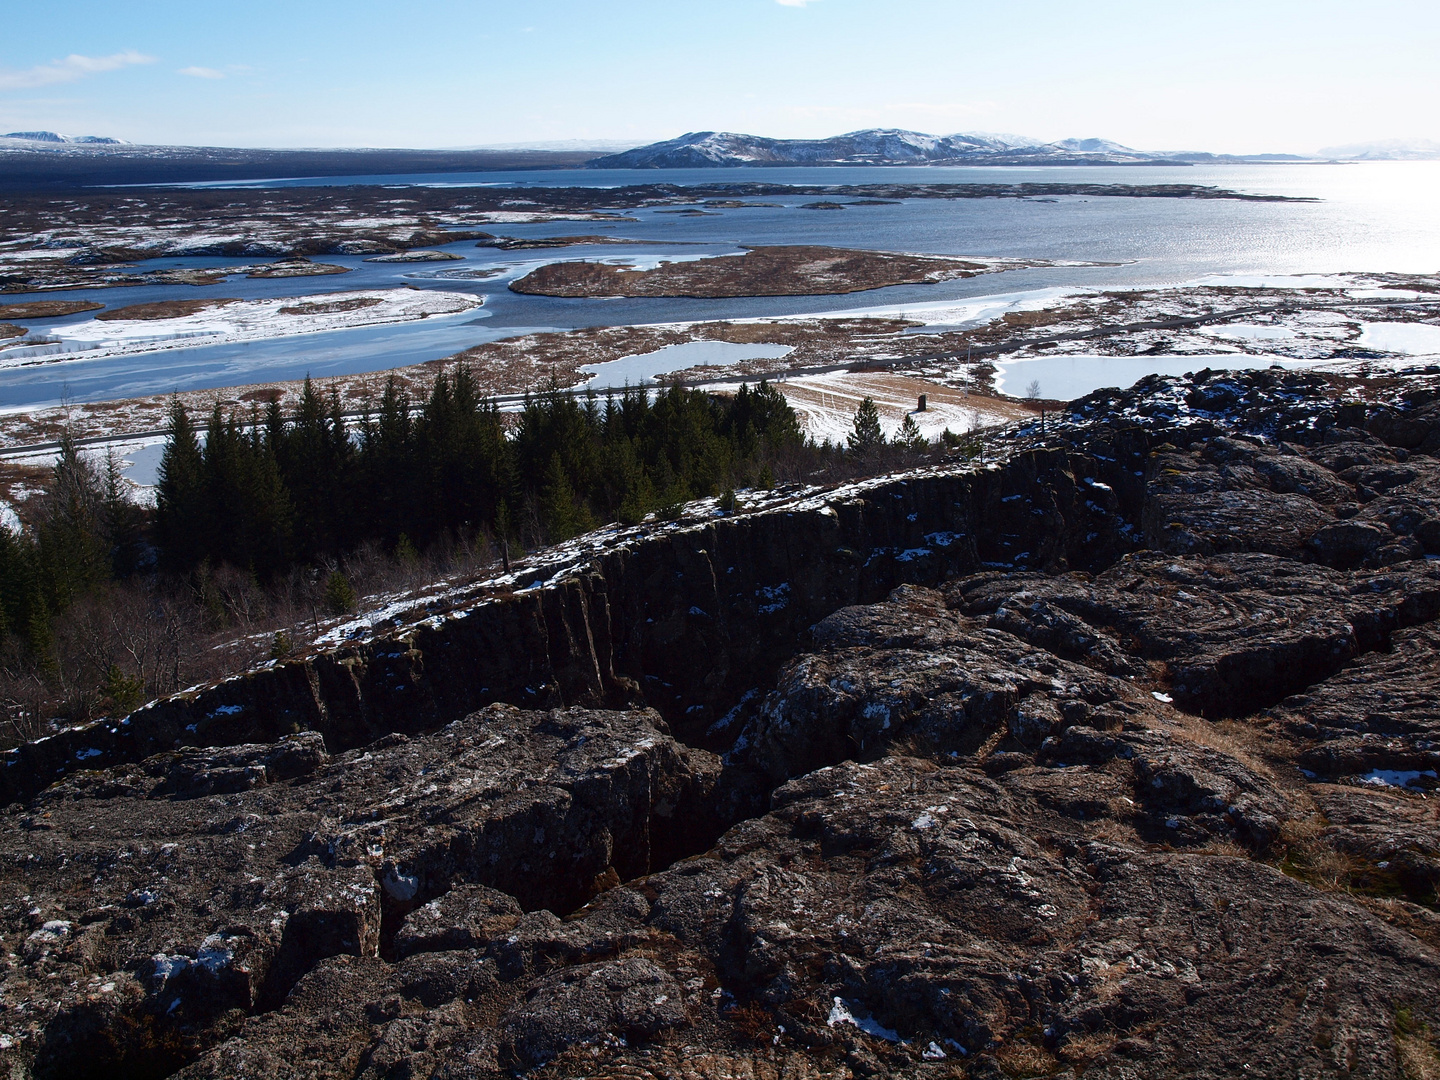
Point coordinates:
[[71, 69], [201, 73], [794, 3]]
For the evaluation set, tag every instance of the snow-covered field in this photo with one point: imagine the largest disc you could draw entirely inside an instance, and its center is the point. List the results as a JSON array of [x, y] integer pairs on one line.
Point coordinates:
[[533, 217], [243, 320], [825, 404]]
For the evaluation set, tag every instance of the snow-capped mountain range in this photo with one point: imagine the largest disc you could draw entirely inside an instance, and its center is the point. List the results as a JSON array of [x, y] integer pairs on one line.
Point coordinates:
[[52, 138], [1387, 150], [725, 149], [888, 146]]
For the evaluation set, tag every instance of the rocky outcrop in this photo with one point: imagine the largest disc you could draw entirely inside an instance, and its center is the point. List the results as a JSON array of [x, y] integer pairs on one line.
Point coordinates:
[[177, 896], [685, 619], [1113, 757], [884, 919]]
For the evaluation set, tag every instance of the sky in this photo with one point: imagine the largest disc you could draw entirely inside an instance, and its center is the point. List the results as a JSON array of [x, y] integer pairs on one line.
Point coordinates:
[[1233, 76]]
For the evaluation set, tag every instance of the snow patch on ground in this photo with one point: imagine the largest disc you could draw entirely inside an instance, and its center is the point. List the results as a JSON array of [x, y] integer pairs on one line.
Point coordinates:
[[1274, 281], [1070, 376], [825, 404], [1395, 777], [1412, 339], [1253, 332], [523, 217], [842, 1013], [953, 313]]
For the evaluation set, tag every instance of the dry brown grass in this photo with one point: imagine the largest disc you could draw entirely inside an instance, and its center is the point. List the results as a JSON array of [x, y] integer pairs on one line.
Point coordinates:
[[1418, 921], [752, 1021], [1118, 833], [331, 307], [1415, 1048], [1023, 1059], [164, 309], [47, 309], [1237, 738], [1226, 848], [1082, 1051], [1303, 854]]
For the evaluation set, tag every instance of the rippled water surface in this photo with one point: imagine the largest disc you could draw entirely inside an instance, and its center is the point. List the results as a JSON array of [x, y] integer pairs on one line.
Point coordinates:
[[1369, 217]]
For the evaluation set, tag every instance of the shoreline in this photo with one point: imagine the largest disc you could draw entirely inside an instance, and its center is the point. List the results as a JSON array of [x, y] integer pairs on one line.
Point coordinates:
[[257, 320], [1193, 324]]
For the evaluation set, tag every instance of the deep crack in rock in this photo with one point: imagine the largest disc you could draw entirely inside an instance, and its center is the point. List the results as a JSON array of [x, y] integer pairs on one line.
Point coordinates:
[[950, 788]]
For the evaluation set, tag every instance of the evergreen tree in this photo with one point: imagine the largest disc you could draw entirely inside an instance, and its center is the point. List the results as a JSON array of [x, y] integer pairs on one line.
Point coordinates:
[[388, 467], [180, 509], [314, 458], [247, 509], [340, 598], [909, 436], [866, 436], [73, 550], [559, 514], [23, 614], [124, 521], [298, 489]]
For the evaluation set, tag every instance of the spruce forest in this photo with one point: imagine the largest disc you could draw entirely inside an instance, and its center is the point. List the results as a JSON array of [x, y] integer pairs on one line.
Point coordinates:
[[266, 492], [268, 521]]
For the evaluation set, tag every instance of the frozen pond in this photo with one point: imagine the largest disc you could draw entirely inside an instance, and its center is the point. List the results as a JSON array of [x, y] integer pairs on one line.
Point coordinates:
[[1068, 377], [643, 367], [1415, 339]]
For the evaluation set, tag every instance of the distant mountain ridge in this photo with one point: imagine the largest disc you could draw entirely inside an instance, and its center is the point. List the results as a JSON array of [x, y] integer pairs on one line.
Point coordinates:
[[56, 138], [1387, 150], [892, 146]]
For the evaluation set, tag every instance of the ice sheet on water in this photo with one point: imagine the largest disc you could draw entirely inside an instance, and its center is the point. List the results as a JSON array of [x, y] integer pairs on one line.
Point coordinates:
[[644, 367], [249, 320]]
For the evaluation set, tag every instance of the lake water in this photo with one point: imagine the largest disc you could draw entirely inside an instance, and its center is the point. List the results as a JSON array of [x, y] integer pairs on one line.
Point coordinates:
[[643, 367], [1370, 217]]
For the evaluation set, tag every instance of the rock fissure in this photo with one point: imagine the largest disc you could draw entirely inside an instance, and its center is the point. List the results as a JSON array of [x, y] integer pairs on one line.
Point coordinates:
[[915, 771]]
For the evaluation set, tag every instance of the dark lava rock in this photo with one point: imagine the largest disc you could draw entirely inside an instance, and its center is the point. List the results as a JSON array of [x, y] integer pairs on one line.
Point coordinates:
[[910, 674], [1235, 633], [323, 1032], [466, 917], [1133, 774], [1389, 698], [940, 908], [622, 1000], [172, 912]]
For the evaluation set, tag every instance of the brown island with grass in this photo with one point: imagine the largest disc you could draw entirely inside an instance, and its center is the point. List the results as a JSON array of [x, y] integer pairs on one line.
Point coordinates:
[[761, 271], [164, 309], [47, 309]]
